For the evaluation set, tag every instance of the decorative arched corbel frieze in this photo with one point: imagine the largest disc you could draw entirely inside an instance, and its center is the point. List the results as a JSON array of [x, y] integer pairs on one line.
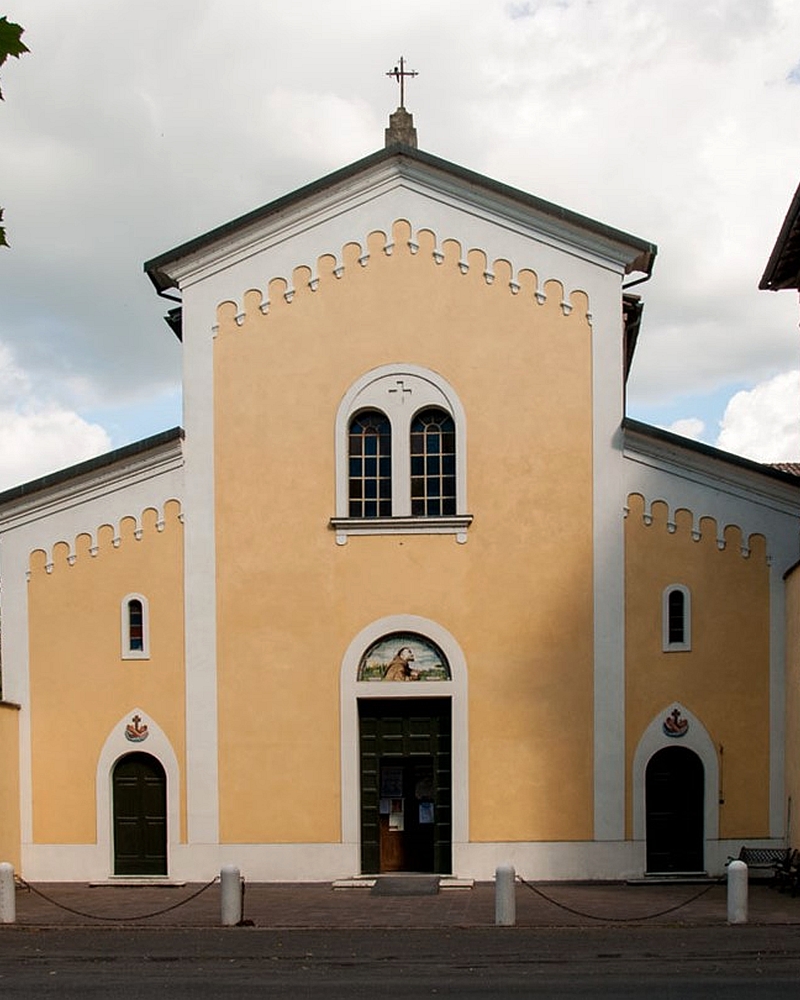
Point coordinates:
[[414, 239]]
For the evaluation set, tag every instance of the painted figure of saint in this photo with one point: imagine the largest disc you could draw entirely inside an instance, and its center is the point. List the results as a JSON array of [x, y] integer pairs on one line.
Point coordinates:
[[399, 669]]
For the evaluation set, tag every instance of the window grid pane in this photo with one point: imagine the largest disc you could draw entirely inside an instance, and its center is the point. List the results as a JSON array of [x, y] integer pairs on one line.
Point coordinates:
[[433, 454], [676, 630], [135, 626], [370, 453]]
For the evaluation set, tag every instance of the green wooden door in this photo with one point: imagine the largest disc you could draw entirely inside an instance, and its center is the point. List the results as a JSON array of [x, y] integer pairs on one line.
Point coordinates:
[[140, 816], [674, 794], [405, 752]]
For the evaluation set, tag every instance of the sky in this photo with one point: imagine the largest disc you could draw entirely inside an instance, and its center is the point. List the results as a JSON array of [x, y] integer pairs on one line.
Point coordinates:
[[131, 128]]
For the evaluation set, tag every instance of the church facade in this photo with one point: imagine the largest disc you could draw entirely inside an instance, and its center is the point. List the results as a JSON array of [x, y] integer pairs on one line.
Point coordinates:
[[408, 591]]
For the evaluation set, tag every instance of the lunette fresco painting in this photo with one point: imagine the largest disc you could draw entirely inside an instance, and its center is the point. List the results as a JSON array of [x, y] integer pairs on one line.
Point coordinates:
[[403, 656]]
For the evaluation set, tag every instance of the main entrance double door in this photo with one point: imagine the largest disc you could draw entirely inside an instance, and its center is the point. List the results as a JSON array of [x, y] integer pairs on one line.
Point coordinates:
[[405, 756]]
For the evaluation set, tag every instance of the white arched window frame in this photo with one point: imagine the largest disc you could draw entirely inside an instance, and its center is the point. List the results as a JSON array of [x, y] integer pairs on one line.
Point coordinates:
[[135, 627], [400, 392], [676, 619]]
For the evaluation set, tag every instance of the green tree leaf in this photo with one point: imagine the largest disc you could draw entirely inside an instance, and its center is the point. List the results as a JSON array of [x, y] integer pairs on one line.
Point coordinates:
[[11, 44]]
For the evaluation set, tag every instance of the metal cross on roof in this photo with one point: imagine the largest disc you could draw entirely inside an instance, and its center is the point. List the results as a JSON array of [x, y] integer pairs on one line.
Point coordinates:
[[400, 73]]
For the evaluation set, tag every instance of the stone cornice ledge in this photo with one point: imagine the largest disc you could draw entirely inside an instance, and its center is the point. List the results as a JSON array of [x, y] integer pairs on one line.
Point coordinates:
[[42, 501], [455, 524], [710, 467]]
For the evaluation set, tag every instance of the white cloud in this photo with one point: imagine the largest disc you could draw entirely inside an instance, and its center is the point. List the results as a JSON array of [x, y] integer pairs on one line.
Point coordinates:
[[37, 437], [664, 119], [690, 427], [763, 423]]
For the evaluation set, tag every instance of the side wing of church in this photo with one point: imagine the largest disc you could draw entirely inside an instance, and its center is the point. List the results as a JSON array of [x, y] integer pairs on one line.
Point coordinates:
[[408, 592]]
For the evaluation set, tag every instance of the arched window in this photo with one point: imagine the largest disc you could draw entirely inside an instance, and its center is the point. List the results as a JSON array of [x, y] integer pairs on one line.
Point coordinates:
[[370, 465], [400, 456], [135, 628], [433, 464], [676, 619]]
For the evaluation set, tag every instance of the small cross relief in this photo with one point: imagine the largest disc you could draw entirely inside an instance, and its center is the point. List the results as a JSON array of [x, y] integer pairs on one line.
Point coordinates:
[[400, 389]]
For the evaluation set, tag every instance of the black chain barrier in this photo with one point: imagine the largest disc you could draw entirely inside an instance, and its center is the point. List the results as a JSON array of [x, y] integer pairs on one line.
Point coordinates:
[[122, 920], [621, 920]]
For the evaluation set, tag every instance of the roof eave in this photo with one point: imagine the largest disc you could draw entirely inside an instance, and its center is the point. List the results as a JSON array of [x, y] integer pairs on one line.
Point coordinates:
[[640, 257], [783, 267], [677, 441], [91, 466]]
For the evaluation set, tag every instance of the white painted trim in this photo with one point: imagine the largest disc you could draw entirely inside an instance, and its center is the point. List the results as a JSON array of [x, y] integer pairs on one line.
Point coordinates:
[[730, 484], [396, 182], [324, 862], [608, 569], [696, 739], [115, 747], [686, 644], [351, 690], [777, 704], [445, 525], [125, 635], [200, 562], [126, 476]]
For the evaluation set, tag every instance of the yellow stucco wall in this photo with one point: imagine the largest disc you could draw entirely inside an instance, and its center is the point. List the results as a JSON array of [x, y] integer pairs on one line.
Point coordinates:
[[80, 685], [724, 679], [793, 705], [9, 784], [517, 596]]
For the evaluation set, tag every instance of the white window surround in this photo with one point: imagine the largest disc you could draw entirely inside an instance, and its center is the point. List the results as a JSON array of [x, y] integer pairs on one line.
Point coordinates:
[[352, 690], [125, 633], [114, 749], [400, 391], [686, 645], [697, 739]]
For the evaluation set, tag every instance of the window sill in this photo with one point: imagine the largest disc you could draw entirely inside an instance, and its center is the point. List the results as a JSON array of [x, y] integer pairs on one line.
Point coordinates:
[[456, 524]]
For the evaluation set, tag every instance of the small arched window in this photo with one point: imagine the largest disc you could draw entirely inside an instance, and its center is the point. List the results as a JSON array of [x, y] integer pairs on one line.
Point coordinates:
[[135, 628], [370, 465], [676, 618], [433, 464]]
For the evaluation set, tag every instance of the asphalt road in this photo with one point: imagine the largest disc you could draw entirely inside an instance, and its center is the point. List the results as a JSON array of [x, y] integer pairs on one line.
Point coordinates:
[[685, 963]]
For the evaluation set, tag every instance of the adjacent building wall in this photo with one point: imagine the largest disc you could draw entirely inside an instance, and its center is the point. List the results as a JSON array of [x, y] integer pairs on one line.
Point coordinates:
[[81, 687], [793, 706], [723, 680], [9, 784]]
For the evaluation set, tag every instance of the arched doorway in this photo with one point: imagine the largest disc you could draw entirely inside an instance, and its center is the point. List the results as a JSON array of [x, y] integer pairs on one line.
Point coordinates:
[[387, 713], [674, 804], [140, 816]]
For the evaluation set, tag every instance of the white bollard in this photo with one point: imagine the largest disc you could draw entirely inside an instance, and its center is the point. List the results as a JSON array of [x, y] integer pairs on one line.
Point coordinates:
[[230, 882], [505, 896], [737, 892], [8, 894]]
